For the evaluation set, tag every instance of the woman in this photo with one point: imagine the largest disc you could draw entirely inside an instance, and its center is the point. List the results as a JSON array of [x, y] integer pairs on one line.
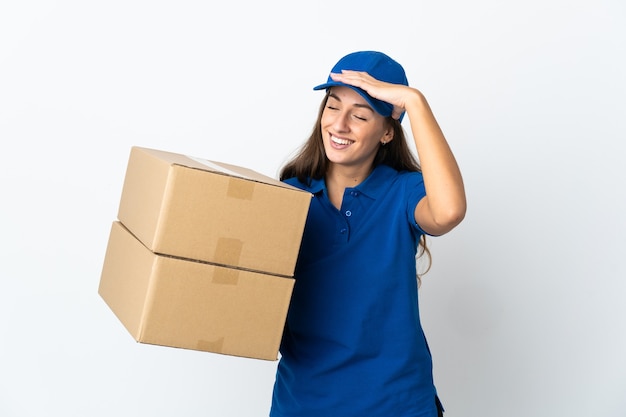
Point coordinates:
[[353, 343]]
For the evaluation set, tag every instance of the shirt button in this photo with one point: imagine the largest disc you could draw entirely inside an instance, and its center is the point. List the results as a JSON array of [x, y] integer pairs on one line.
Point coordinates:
[[348, 213], [343, 231]]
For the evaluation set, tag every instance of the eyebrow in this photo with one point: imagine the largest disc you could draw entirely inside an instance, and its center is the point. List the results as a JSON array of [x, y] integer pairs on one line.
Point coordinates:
[[364, 106]]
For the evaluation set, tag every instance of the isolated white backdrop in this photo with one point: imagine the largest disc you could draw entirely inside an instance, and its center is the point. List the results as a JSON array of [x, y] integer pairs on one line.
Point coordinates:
[[523, 307]]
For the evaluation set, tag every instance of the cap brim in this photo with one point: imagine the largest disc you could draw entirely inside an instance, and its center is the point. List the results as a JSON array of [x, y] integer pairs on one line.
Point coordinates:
[[328, 85]]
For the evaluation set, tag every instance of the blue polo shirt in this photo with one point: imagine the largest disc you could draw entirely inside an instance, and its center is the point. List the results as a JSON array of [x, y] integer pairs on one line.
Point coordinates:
[[353, 344]]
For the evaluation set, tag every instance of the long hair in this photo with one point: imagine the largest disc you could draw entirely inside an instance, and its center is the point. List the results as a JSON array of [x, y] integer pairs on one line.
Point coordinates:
[[311, 162]]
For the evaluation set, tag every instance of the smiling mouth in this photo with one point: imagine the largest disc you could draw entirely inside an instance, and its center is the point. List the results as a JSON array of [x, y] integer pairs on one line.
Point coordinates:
[[342, 142]]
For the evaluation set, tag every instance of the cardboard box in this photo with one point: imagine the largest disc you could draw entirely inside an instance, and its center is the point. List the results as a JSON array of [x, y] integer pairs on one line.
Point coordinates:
[[214, 212], [180, 303]]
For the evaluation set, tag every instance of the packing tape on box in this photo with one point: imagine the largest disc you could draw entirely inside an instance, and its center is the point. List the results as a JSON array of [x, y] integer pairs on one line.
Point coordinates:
[[242, 190], [228, 250], [215, 167], [226, 276], [236, 187], [211, 345]]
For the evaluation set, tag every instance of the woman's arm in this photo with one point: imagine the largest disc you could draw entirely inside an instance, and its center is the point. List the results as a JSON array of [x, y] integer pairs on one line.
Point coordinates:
[[444, 206]]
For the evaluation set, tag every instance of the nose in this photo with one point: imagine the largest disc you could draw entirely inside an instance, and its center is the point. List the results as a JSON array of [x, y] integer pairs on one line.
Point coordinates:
[[341, 122]]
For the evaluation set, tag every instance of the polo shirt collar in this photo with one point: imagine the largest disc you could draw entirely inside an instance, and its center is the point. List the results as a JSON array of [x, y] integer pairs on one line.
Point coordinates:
[[374, 186]]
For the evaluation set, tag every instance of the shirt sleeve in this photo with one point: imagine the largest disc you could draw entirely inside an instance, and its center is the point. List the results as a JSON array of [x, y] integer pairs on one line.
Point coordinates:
[[415, 191]]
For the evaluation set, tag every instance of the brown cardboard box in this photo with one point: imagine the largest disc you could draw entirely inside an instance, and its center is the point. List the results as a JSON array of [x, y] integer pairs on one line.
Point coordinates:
[[214, 212], [181, 303]]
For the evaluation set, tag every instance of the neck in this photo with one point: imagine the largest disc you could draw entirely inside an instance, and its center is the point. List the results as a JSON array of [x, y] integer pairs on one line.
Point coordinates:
[[346, 177], [340, 178]]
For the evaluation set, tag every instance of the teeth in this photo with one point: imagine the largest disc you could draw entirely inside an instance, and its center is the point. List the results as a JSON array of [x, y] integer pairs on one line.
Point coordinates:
[[340, 141]]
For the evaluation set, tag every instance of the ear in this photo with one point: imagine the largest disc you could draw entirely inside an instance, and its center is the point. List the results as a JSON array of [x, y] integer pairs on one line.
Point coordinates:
[[387, 136]]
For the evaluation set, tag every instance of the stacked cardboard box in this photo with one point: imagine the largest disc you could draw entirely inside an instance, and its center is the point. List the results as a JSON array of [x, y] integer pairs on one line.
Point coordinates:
[[202, 254]]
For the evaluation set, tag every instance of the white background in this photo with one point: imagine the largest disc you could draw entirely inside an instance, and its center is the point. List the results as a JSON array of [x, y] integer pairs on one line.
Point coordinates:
[[523, 306]]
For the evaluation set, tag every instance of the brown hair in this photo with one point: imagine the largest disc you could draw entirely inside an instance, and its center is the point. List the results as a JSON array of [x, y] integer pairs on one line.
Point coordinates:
[[310, 162]]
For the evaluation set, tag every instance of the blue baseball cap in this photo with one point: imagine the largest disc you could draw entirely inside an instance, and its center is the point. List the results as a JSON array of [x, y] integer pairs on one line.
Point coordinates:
[[376, 64]]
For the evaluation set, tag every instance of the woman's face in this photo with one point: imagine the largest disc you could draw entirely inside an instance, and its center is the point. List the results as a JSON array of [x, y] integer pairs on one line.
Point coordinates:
[[351, 130]]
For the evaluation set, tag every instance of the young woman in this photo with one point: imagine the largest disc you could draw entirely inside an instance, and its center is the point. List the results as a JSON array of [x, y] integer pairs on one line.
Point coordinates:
[[353, 344]]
